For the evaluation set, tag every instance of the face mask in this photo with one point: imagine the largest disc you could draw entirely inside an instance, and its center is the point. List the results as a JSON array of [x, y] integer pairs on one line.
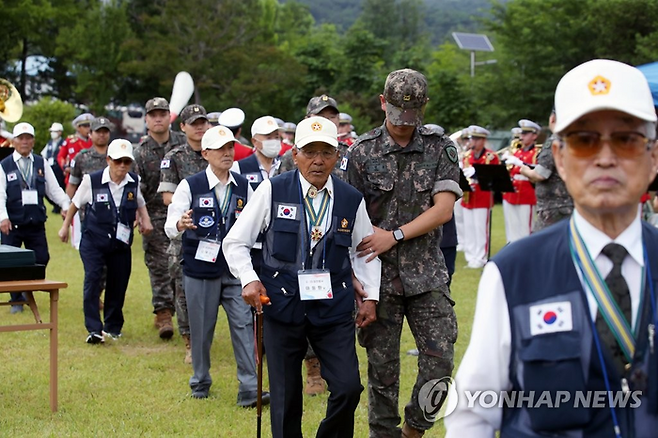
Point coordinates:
[[54, 135], [271, 148]]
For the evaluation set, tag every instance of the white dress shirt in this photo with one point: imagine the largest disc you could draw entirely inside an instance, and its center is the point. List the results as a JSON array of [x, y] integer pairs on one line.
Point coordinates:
[[485, 365], [83, 196], [256, 218], [274, 170], [53, 191], [181, 201]]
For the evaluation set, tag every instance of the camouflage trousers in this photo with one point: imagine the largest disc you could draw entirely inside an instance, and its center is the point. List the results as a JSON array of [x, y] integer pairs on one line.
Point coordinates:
[[551, 216], [175, 256], [434, 326], [155, 257]]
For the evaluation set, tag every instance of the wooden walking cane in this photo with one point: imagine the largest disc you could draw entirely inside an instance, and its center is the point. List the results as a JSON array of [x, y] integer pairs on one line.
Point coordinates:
[[259, 356]]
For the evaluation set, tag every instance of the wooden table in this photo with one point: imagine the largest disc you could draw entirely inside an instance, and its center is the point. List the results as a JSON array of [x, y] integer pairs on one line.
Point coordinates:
[[29, 286]]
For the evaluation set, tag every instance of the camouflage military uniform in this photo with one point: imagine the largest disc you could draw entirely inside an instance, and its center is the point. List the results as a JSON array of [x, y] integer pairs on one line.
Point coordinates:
[[178, 164], [340, 170], [86, 162], [148, 156], [398, 185], [554, 203]]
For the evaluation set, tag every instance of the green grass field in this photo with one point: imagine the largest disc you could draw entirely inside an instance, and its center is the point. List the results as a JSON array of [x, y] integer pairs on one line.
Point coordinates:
[[137, 386]]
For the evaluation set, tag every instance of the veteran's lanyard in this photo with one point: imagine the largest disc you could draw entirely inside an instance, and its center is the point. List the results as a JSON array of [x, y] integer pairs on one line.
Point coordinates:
[[610, 311], [226, 202], [25, 168], [315, 217]]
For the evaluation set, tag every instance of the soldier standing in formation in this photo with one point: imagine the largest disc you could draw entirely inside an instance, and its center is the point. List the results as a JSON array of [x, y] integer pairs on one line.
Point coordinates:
[[179, 163], [409, 178], [518, 206], [148, 158]]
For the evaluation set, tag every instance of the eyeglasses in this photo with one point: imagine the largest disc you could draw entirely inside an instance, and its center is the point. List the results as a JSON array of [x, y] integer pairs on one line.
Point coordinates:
[[325, 154], [125, 160], [585, 144]]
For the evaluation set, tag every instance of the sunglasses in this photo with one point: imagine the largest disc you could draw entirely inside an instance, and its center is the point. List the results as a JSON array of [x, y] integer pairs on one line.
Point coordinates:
[[126, 161], [585, 144]]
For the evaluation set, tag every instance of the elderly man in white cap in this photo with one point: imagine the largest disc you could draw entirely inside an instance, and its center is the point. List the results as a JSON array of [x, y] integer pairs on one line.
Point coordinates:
[[312, 224], [113, 203], [49, 153], [478, 203], [25, 179], [568, 349], [264, 162], [518, 206], [203, 209]]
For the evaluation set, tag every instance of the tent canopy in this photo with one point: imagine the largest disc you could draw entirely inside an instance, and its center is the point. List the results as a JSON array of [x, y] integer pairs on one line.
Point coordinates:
[[651, 73]]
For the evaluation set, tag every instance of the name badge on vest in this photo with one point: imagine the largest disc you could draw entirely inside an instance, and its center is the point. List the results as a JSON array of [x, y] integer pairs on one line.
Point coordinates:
[[550, 318], [123, 233], [207, 251], [30, 197], [314, 284]]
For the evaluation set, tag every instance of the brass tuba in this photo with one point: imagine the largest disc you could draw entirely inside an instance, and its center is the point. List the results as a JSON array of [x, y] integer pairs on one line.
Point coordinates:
[[11, 104]]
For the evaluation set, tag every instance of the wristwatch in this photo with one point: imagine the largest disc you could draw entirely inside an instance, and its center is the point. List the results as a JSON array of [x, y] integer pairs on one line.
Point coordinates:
[[398, 235]]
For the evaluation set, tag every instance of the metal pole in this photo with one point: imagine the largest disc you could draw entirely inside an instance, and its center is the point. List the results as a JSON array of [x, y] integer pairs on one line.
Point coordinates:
[[472, 63], [259, 348]]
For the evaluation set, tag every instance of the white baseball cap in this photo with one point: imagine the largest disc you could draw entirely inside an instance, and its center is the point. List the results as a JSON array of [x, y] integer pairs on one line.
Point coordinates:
[[264, 125], [216, 137], [316, 129], [602, 84], [232, 117], [120, 148], [56, 127], [23, 128]]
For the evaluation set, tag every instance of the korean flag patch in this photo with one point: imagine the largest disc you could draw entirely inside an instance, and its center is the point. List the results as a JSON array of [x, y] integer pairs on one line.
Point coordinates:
[[101, 197], [206, 202], [165, 164], [550, 318], [12, 176], [343, 163], [251, 177], [287, 212]]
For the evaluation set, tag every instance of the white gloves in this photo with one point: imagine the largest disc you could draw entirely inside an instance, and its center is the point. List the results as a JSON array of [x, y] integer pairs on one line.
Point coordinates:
[[469, 172], [511, 159]]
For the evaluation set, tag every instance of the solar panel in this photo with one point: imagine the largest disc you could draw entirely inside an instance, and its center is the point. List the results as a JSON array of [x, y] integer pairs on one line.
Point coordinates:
[[473, 41]]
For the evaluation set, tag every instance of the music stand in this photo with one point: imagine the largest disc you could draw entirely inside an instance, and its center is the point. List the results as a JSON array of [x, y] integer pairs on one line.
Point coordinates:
[[5, 152], [493, 178], [653, 187], [463, 182]]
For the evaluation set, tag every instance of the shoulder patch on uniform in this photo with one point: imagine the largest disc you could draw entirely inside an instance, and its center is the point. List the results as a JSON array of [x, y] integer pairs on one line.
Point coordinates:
[[165, 164], [343, 163], [451, 152]]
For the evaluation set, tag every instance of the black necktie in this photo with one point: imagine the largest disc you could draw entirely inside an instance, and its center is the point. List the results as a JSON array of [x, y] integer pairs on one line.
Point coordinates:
[[619, 291]]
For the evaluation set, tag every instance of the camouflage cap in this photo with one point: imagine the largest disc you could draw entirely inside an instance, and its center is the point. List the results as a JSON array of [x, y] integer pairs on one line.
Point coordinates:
[[193, 112], [405, 92], [100, 123], [318, 103], [157, 103]]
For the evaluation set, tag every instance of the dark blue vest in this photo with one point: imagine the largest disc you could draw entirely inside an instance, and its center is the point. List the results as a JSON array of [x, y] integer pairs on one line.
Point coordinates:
[[210, 224], [282, 254], [102, 214], [539, 270], [18, 213], [250, 169]]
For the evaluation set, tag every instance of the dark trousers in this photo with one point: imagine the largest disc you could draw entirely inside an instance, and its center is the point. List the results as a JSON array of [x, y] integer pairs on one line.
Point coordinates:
[[334, 345], [450, 255], [117, 257], [32, 236]]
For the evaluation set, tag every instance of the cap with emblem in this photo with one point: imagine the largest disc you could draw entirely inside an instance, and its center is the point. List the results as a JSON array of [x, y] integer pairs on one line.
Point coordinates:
[[82, 119], [213, 117], [216, 137], [157, 103], [516, 132], [602, 84], [232, 117], [316, 129], [264, 125], [344, 119], [289, 127], [318, 103], [23, 128], [477, 131], [405, 92], [191, 113], [120, 148], [56, 127], [529, 126], [100, 123]]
